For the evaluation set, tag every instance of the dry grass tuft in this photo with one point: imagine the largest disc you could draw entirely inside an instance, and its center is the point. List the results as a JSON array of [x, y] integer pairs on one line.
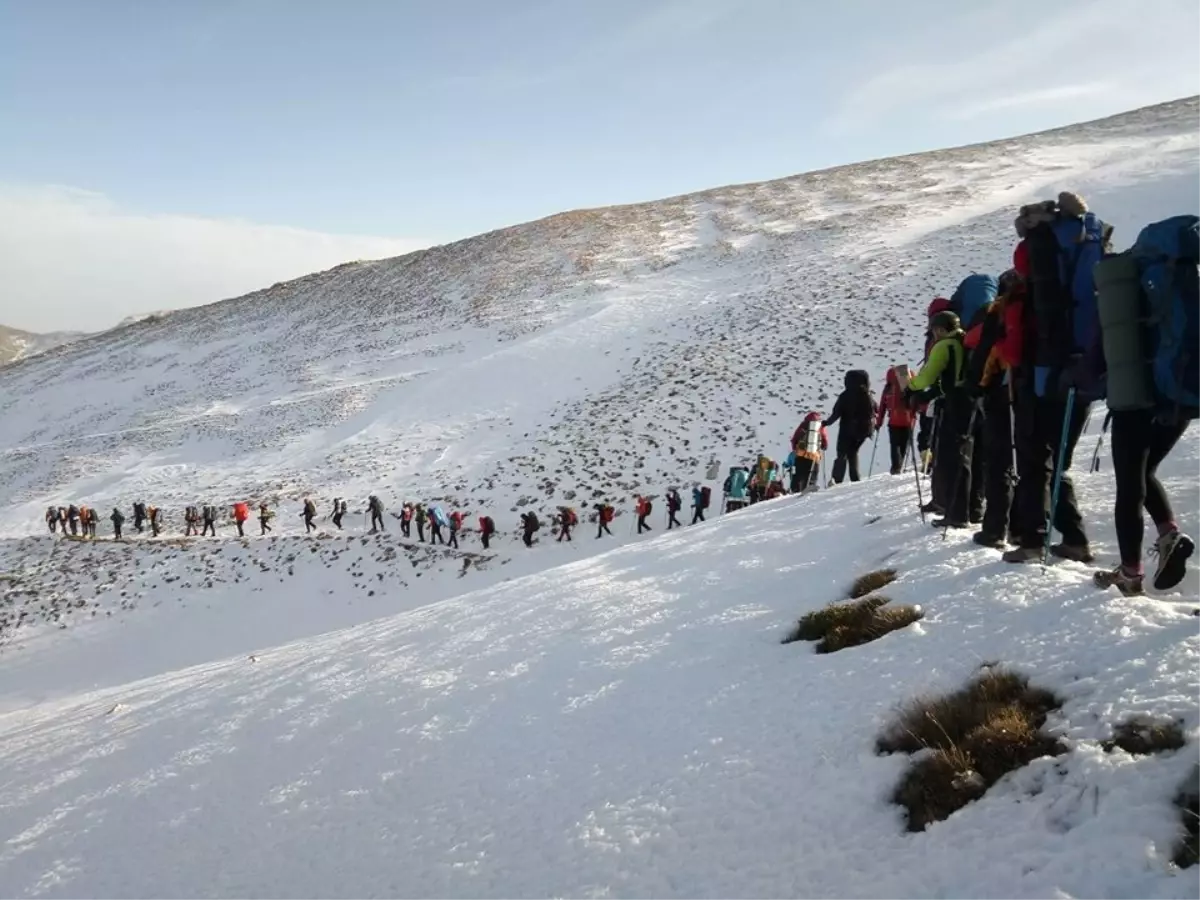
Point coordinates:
[[1187, 851], [977, 734], [880, 620], [871, 582], [1142, 736], [815, 625]]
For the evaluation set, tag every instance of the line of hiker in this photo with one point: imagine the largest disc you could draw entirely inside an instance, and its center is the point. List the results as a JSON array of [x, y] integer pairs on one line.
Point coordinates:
[[1012, 366]]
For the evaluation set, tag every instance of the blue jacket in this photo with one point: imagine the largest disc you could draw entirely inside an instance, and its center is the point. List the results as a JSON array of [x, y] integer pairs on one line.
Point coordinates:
[[737, 485]]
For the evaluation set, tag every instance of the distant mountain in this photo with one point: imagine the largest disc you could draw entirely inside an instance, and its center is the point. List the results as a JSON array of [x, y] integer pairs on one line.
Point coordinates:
[[16, 344]]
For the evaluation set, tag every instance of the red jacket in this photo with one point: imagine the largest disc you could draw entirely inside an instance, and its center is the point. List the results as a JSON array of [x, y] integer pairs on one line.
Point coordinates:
[[892, 402]]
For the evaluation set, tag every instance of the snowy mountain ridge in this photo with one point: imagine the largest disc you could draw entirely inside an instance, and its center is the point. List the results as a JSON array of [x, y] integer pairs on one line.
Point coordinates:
[[16, 344]]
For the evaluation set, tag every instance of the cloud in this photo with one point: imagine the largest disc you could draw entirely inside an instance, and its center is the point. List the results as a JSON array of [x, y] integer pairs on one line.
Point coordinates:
[[72, 259], [1087, 56]]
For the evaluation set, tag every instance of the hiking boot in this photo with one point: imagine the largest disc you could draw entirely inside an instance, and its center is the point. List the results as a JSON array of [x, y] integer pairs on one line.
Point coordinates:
[[934, 508], [1127, 584], [1173, 549], [1074, 552], [1023, 555], [947, 522], [976, 518], [983, 539]]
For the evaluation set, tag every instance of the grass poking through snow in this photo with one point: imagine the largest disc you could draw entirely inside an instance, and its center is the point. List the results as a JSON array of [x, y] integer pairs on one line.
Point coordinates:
[[1187, 852], [977, 734], [871, 582], [1141, 736], [842, 625]]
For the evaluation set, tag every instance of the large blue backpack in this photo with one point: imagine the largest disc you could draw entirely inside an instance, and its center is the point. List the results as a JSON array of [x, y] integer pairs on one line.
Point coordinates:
[[1167, 254], [974, 293]]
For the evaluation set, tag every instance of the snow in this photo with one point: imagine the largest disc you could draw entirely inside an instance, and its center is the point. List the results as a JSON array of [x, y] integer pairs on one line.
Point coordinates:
[[354, 715]]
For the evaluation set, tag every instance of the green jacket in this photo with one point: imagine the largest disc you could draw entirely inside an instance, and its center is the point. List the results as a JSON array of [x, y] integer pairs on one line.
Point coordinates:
[[944, 366]]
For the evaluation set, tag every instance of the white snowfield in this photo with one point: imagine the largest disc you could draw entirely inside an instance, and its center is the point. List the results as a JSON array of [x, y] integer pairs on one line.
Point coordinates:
[[627, 725], [351, 715]]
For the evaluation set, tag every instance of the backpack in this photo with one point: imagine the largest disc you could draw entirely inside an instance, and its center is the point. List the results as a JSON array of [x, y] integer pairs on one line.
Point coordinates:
[[534, 524], [572, 519], [606, 513], [1148, 301], [310, 508], [972, 297], [73, 511], [486, 525], [705, 496], [1064, 249]]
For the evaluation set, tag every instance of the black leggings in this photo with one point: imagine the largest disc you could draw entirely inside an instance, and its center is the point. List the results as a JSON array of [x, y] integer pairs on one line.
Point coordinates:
[[1139, 444], [898, 439]]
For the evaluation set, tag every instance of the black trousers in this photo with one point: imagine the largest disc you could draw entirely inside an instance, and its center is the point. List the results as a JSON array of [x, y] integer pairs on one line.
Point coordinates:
[[405, 527], [698, 515], [527, 537], [848, 445], [1139, 444], [209, 526], [308, 524], [453, 538], [241, 529], [899, 437], [435, 533], [953, 471], [377, 521], [999, 475], [641, 525], [673, 522], [1039, 430], [116, 532], [806, 473], [420, 531], [485, 538]]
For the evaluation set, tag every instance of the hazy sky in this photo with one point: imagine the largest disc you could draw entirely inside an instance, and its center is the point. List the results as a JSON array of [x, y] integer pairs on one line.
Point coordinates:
[[162, 154]]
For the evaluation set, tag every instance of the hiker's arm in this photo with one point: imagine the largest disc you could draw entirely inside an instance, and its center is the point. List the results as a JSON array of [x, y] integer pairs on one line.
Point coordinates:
[[932, 370]]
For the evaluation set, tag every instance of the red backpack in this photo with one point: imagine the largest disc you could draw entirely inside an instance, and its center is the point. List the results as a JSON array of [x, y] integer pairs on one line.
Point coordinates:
[[606, 514], [705, 496]]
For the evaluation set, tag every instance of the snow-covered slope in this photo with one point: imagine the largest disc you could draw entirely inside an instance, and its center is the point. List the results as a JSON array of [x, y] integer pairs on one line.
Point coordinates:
[[590, 354], [626, 725], [16, 344]]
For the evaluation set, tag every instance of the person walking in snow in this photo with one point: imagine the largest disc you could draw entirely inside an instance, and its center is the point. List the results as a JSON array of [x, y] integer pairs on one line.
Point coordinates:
[[643, 509], [529, 525], [210, 521], [436, 517], [674, 505], [419, 516], [139, 516], [604, 516], [855, 408], [118, 519], [375, 508], [566, 521], [736, 489], [456, 520], [900, 416], [943, 375], [191, 519], [241, 512], [73, 518], [264, 517], [52, 519], [486, 529], [310, 515], [339, 512], [406, 517], [699, 503]]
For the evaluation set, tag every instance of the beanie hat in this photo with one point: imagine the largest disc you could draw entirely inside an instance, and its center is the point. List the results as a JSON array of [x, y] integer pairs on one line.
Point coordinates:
[[936, 306]]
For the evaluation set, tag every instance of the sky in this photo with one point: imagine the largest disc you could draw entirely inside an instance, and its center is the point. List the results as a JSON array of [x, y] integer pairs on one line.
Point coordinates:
[[160, 155]]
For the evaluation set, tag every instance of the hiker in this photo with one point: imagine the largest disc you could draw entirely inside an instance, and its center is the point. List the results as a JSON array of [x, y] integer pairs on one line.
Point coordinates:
[[73, 518], [855, 408], [62, 520], [942, 375], [1149, 328], [529, 525], [566, 521], [241, 512], [265, 515], [899, 415], [375, 508], [87, 521], [339, 512], [604, 515], [735, 489], [674, 505], [700, 500], [406, 516], [1060, 241], [52, 519], [190, 518], [437, 519], [643, 510], [486, 529], [809, 442], [456, 520], [309, 513], [210, 521], [761, 478], [118, 519], [139, 516], [989, 379], [420, 516]]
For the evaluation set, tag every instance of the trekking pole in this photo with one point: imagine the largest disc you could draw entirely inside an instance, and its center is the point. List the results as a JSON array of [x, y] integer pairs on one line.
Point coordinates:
[[912, 443], [1100, 444], [874, 447], [1058, 472]]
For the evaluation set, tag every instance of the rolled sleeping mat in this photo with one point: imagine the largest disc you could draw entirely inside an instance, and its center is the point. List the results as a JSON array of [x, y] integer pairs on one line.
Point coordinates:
[[1123, 325]]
